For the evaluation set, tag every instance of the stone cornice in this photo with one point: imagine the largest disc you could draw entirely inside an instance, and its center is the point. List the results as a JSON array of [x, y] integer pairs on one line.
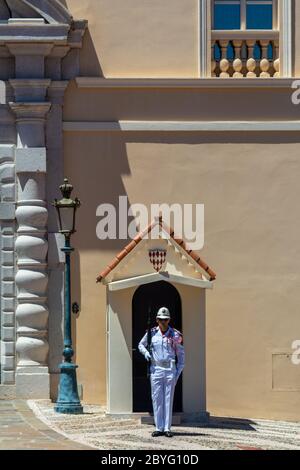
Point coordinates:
[[76, 33], [30, 89], [56, 91], [30, 111], [30, 49], [183, 126], [59, 52], [183, 83], [33, 33]]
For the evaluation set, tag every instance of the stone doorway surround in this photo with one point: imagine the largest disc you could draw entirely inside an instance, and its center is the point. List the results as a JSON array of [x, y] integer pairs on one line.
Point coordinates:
[[39, 55], [191, 276]]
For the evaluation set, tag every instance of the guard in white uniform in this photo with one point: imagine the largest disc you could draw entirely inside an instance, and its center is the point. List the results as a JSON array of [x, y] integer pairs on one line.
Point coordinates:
[[166, 344]]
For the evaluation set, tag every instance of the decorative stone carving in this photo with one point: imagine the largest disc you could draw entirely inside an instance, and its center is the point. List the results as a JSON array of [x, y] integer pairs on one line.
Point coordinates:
[[32, 248], [7, 263]]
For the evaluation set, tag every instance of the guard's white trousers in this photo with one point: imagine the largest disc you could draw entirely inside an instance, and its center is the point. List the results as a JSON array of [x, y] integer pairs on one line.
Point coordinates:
[[162, 390]]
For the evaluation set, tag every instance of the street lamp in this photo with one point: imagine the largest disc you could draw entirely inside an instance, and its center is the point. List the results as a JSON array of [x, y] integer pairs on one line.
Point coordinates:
[[68, 398]]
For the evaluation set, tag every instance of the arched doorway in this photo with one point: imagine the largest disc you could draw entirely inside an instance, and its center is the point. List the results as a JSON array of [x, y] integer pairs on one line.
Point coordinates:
[[153, 296]]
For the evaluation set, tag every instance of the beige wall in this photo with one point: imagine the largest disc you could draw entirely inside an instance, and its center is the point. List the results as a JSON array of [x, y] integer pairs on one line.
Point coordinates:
[[147, 38], [248, 182], [251, 192], [139, 38]]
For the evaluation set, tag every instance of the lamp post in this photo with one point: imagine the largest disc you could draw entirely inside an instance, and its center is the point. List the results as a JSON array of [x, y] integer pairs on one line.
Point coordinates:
[[68, 398]]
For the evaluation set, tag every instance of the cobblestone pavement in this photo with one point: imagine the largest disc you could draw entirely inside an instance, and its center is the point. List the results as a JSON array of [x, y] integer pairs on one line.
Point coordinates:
[[21, 430], [102, 432]]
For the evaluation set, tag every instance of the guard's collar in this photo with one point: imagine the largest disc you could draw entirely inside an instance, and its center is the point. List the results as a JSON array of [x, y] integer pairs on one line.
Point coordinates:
[[164, 333]]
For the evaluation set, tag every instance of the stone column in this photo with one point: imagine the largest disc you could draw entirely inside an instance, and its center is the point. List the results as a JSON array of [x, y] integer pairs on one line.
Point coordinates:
[[32, 375]]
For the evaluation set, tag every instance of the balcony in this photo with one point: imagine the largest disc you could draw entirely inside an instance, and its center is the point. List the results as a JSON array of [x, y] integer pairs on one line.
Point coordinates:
[[245, 54]]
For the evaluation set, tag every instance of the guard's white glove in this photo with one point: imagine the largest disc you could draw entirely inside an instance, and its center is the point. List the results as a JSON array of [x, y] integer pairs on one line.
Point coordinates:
[[147, 356]]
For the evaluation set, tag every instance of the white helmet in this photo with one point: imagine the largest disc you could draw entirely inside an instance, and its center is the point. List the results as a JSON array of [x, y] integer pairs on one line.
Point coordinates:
[[163, 313]]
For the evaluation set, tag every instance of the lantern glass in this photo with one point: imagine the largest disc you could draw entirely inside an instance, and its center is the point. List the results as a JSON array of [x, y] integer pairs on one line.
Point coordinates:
[[67, 219]]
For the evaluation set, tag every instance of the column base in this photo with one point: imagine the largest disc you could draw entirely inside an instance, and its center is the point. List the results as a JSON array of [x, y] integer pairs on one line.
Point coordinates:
[[33, 382], [68, 400]]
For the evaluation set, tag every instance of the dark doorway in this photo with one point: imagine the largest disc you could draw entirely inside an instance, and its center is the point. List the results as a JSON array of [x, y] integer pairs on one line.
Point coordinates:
[[154, 295]]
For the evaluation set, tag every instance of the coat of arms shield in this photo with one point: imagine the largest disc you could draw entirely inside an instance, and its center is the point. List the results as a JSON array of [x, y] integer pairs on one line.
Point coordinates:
[[157, 258]]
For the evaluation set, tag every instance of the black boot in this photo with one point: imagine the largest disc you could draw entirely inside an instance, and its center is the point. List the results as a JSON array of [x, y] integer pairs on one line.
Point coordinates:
[[168, 434], [157, 433]]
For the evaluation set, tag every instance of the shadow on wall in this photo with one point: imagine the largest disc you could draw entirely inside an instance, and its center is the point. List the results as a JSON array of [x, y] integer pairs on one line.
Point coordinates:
[[96, 169], [89, 61], [98, 163]]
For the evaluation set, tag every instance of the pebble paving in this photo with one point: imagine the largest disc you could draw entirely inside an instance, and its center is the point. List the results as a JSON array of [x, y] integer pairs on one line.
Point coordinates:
[[20, 429], [94, 428]]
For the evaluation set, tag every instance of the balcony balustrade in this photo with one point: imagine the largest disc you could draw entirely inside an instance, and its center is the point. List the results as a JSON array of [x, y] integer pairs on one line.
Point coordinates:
[[245, 54]]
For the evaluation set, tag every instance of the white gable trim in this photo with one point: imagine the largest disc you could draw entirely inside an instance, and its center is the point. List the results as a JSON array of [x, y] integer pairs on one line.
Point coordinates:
[[170, 242], [155, 277]]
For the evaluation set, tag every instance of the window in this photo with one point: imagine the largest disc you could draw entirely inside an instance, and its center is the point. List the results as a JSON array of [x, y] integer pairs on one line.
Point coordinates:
[[244, 14]]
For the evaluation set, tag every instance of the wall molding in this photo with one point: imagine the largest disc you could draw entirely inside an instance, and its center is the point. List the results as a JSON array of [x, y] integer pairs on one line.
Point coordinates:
[[182, 126], [148, 83]]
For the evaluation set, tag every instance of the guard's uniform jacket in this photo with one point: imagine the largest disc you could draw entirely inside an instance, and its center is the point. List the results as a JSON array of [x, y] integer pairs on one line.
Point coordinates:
[[164, 371]]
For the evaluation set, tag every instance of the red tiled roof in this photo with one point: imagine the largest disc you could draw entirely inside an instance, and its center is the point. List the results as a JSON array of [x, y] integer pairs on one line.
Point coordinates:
[[128, 248]]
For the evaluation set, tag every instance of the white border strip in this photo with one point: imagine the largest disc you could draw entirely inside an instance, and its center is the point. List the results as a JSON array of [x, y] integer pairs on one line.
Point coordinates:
[[286, 49], [182, 126], [203, 40]]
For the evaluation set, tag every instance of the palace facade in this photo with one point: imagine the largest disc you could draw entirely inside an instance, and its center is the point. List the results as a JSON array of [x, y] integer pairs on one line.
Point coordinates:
[[175, 102]]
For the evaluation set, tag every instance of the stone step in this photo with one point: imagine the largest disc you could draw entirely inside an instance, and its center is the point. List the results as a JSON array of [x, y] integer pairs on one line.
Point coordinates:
[[148, 419]]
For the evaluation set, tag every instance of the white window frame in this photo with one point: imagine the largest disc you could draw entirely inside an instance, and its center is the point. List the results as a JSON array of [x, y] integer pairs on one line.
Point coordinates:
[[286, 41], [282, 13]]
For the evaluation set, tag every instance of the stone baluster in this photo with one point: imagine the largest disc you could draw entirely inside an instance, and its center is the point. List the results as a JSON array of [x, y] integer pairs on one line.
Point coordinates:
[[264, 44], [264, 63], [224, 62], [223, 44], [32, 375], [237, 63], [224, 67], [251, 62]]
